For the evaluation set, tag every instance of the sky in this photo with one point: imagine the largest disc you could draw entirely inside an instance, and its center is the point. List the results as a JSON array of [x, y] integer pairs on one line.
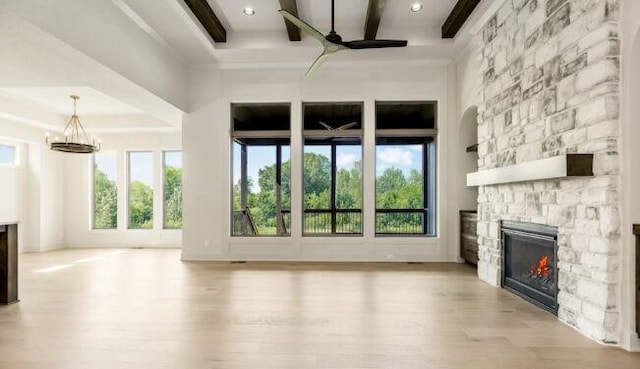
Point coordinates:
[[141, 164], [7, 154], [106, 163], [403, 157]]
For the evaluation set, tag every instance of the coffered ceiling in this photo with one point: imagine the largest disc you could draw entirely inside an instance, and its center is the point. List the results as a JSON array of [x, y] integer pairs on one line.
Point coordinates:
[[263, 38]]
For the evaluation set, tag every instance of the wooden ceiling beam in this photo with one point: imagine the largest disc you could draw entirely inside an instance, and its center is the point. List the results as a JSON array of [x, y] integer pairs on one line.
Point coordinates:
[[292, 7], [374, 14], [208, 19], [459, 15]]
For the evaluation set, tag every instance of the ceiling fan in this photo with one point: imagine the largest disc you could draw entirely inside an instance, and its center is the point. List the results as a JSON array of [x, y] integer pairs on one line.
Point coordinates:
[[340, 128], [333, 43]]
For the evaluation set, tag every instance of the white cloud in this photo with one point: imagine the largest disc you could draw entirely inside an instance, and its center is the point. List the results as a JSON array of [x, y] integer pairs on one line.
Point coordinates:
[[393, 155], [345, 159]]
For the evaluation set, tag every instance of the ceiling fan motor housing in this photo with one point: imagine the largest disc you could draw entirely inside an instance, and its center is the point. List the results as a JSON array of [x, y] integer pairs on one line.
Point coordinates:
[[333, 37]]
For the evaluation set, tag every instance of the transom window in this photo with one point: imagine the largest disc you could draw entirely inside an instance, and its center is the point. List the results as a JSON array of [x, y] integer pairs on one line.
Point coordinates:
[[7, 154]]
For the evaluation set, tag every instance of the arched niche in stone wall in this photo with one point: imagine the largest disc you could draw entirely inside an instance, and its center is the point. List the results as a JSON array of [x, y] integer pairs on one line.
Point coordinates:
[[467, 158]]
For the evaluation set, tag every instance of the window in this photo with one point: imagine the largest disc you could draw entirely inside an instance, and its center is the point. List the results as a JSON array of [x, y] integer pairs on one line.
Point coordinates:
[[172, 200], [332, 164], [405, 168], [261, 188], [140, 190], [7, 154], [105, 191]]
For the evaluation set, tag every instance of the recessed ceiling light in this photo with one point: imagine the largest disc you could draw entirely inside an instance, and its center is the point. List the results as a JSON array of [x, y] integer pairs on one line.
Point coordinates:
[[416, 7], [249, 11]]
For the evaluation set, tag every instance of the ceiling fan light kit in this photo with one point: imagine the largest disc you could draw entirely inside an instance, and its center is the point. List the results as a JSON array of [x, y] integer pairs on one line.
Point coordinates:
[[332, 42]]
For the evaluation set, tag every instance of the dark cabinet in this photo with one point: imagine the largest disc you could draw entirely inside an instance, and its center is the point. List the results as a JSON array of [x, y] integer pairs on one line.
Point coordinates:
[[636, 231], [468, 236], [8, 263]]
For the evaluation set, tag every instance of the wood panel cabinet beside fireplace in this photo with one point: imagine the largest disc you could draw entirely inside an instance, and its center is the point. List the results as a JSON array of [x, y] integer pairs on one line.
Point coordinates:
[[469, 236], [636, 232]]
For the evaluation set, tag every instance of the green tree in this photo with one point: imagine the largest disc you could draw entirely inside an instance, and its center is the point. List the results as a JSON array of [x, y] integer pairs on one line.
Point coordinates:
[[173, 197], [105, 214], [395, 191], [140, 206], [390, 188], [317, 181], [267, 182], [349, 187]]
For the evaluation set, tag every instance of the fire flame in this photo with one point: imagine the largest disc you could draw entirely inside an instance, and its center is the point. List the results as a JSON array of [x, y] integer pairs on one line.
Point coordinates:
[[542, 268]]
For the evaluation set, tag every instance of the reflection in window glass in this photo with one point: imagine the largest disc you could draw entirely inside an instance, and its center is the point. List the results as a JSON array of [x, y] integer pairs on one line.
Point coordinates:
[[105, 192], [172, 189], [7, 154], [140, 190]]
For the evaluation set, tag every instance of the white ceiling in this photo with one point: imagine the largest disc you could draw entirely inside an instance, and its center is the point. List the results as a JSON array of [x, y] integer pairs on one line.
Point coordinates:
[[57, 100]]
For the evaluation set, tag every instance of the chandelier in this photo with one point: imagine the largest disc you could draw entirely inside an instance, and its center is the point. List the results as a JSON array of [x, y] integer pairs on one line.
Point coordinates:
[[75, 138]]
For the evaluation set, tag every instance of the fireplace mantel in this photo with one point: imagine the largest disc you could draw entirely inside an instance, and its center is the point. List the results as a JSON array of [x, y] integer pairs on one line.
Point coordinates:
[[569, 165]]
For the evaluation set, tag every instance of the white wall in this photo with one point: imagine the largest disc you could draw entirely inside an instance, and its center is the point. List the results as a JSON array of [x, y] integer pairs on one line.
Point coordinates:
[[36, 186], [630, 152], [206, 150], [79, 195]]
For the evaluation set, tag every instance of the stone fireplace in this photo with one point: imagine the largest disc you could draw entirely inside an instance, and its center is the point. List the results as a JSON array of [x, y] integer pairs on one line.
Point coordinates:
[[549, 86], [529, 263]]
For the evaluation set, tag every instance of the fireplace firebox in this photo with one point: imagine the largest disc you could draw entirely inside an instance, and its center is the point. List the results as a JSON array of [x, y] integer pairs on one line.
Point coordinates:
[[529, 262]]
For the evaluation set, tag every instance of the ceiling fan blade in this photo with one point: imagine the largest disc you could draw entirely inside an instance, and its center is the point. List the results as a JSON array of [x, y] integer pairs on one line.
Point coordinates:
[[325, 125], [318, 62], [374, 44], [346, 126], [304, 26]]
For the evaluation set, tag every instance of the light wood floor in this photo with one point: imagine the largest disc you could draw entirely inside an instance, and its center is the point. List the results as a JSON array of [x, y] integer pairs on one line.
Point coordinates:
[[146, 309]]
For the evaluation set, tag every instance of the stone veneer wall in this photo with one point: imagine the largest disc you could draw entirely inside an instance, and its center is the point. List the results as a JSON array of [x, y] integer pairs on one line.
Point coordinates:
[[550, 85]]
